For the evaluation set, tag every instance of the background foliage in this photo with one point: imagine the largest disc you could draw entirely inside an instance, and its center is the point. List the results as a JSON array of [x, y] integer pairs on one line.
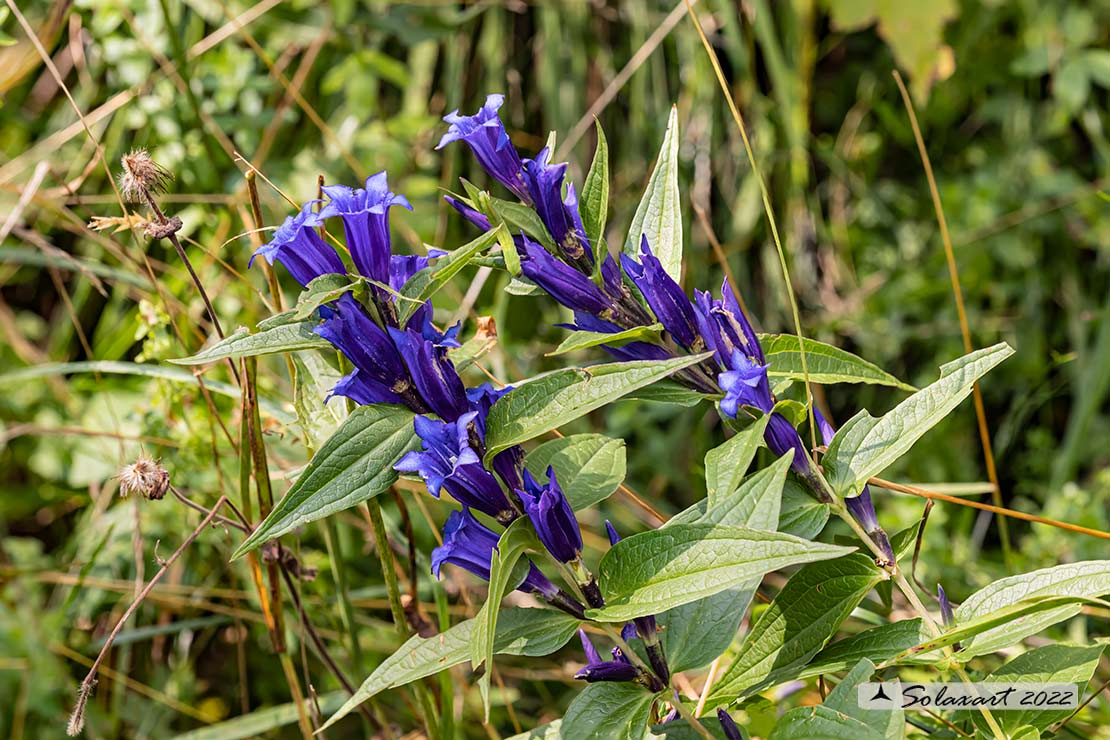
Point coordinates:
[[1012, 100]]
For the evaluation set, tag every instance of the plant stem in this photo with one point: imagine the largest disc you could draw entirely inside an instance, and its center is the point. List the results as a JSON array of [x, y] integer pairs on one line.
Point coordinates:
[[691, 719], [396, 608]]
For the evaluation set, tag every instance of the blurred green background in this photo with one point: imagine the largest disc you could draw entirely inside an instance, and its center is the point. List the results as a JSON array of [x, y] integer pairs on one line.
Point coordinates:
[[1012, 101]]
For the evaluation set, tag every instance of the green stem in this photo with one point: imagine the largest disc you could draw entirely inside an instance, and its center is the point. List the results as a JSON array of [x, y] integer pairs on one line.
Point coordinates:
[[339, 570], [691, 719], [393, 589]]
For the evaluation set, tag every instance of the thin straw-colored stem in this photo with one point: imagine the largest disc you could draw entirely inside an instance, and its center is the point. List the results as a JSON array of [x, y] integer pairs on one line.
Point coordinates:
[[965, 330]]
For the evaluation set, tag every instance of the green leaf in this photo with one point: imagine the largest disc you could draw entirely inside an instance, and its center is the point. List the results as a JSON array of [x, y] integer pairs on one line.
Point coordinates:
[[282, 338], [1049, 664], [608, 711], [827, 364], [821, 723], [531, 632], [876, 644], [667, 391], [726, 465], [865, 446], [845, 700], [801, 515], [698, 632], [260, 722], [315, 379], [585, 339], [323, 289], [355, 464], [797, 624], [1000, 618], [653, 571], [1081, 580], [551, 400], [161, 372], [913, 31], [659, 215], [503, 577], [519, 217], [589, 467], [549, 731], [595, 190], [424, 284]]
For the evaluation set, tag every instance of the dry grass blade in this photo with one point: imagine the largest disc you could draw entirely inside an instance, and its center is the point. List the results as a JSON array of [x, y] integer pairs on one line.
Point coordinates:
[[965, 330]]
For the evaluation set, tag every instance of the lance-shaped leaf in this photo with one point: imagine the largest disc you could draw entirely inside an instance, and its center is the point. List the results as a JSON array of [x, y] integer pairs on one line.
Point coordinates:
[[503, 577], [355, 464], [586, 339], [614, 711], [865, 446], [291, 337], [653, 571], [589, 467], [1049, 664], [845, 700], [876, 644], [1082, 580], [726, 465], [549, 401], [595, 190], [659, 215], [696, 633], [821, 723], [827, 364], [801, 619], [531, 632], [424, 284]]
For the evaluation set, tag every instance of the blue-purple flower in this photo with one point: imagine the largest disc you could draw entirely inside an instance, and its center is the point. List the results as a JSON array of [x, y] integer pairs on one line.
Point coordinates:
[[552, 517], [726, 329], [300, 249], [559, 215], [666, 297], [485, 134], [404, 266], [564, 283], [365, 214], [434, 375], [728, 726], [380, 375], [507, 463], [745, 385], [861, 506], [469, 544], [947, 616], [596, 669], [448, 461]]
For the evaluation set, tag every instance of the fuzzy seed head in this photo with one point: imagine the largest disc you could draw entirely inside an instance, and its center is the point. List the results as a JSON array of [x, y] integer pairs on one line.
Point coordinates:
[[145, 477], [141, 176]]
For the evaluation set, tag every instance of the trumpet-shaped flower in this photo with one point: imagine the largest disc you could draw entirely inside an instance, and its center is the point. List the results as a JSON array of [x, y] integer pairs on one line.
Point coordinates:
[[667, 299], [436, 380], [596, 669], [469, 544], [298, 247], [552, 517], [448, 461], [485, 134], [365, 214]]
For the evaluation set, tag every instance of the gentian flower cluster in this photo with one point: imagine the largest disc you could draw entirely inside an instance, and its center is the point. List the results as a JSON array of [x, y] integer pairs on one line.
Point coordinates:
[[409, 365], [737, 370]]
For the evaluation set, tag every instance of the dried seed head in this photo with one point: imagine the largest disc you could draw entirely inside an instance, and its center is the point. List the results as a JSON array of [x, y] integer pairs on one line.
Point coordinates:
[[142, 175], [145, 477]]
